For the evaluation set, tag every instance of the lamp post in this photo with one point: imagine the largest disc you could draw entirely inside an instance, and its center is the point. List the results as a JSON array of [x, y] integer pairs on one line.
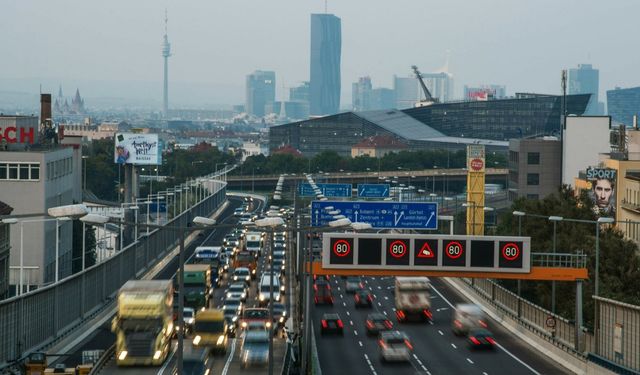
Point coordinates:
[[65, 213], [84, 173], [555, 220], [519, 214]]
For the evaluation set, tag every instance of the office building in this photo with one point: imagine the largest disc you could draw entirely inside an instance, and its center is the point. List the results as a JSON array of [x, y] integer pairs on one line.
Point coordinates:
[[485, 92], [292, 109], [261, 91], [440, 86], [377, 146], [299, 93], [586, 80], [382, 98], [361, 94], [584, 138], [406, 91], [623, 104], [326, 46], [534, 167]]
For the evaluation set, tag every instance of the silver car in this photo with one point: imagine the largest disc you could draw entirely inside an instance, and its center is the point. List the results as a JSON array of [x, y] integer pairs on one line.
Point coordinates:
[[394, 346], [255, 349]]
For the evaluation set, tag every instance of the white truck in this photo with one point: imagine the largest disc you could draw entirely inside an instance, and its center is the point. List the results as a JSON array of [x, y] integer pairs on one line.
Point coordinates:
[[413, 299], [253, 243], [466, 317]]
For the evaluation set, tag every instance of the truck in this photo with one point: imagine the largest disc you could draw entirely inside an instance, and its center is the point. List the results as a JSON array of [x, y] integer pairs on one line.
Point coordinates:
[[210, 255], [467, 316], [246, 259], [197, 285], [253, 243], [143, 324], [210, 330], [413, 299]]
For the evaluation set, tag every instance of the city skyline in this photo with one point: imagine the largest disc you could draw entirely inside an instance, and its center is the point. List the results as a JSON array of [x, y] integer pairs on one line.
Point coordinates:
[[507, 47]]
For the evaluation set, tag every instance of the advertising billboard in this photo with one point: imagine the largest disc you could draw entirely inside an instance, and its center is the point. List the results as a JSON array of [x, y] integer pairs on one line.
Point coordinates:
[[603, 190], [137, 149]]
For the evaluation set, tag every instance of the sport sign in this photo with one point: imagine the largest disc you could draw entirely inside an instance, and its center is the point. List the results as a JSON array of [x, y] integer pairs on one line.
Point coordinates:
[[426, 252]]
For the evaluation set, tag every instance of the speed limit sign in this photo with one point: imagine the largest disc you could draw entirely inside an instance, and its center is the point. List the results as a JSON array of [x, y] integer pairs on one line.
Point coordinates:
[[398, 251], [454, 253], [341, 251]]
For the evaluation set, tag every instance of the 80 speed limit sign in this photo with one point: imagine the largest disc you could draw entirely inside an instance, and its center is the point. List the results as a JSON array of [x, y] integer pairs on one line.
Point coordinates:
[[454, 253]]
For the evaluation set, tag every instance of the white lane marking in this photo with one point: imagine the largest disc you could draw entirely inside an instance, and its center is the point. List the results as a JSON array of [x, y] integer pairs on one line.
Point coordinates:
[[380, 304], [351, 321], [228, 363], [454, 346], [338, 288], [517, 359], [341, 296], [469, 360], [425, 370], [484, 373], [360, 343], [384, 312], [385, 297], [499, 346], [441, 333], [344, 304], [168, 360], [393, 308], [442, 309], [355, 332], [348, 314], [379, 287]]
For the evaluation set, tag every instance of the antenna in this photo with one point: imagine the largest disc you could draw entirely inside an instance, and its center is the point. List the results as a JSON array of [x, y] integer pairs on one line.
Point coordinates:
[[325, 6], [166, 21]]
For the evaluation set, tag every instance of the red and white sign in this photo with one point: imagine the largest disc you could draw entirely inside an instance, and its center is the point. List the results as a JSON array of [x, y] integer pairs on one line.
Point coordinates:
[[476, 164], [341, 248], [454, 249], [426, 252], [398, 249], [12, 134], [510, 251]]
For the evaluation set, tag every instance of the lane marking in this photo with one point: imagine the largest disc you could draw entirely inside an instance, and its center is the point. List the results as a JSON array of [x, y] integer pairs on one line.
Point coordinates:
[[351, 321], [441, 333], [469, 360], [454, 346], [228, 363], [355, 332], [168, 360], [341, 296], [386, 298], [344, 304], [348, 314], [360, 343]]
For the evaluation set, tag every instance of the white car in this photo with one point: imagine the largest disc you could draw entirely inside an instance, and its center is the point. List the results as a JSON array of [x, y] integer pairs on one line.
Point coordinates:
[[394, 346], [242, 274]]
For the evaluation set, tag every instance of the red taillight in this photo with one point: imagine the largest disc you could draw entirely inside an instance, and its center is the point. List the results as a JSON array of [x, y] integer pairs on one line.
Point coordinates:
[[382, 344], [315, 299], [315, 287], [482, 323], [369, 324], [408, 344], [457, 323], [427, 313], [357, 298], [388, 324], [324, 323], [340, 323], [474, 340], [369, 298], [361, 286], [491, 340], [400, 314]]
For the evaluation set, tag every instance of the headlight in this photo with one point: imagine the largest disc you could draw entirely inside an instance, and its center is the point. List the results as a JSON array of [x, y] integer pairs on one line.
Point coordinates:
[[235, 318], [229, 295], [190, 321], [253, 271], [244, 324], [196, 340], [235, 277], [282, 319], [284, 313], [268, 324], [282, 288], [220, 340], [123, 355], [157, 355], [244, 295], [262, 297]]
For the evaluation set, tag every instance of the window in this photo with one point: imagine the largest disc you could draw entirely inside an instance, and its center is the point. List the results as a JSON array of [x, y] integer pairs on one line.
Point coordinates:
[[19, 171], [533, 179], [532, 196], [3, 171], [24, 171], [533, 158], [13, 171]]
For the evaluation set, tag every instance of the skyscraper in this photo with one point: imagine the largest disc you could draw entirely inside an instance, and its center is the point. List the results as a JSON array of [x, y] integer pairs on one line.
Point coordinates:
[[166, 52], [326, 45], [300, 93], [261, 92], [623, 104], [586, 80], [406, 90], [361, 94]]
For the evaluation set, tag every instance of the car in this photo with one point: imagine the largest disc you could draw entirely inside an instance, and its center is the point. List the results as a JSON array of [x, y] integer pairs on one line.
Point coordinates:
[[241, 274], [255, 314], [256, 326], [238, 211], [279, 313], [234, 301], [237, 288], [316, 277], [394, 346], [363, 298], [277, 254], [322, 292], [229, 250], [480, 338], [188, 316], [231, 314], [331, 323], [255, 349], [279, 264], [242, 296], [467, 316], [279, 246], [231, 321], [376, 323], [195, 362], [353, 284]]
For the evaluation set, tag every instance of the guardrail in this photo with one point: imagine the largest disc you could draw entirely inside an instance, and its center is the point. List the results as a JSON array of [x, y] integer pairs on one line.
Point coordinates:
[[39, 318]]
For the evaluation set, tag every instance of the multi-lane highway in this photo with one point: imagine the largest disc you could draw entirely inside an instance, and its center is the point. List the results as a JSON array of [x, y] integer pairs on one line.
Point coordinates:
[[436, 349]]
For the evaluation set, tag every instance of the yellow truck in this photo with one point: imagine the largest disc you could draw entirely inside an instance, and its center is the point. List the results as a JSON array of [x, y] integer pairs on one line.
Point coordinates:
[[210, 330], [143, 323]]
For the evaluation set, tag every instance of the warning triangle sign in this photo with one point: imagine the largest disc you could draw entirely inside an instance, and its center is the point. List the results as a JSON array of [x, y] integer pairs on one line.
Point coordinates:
[[426, 252]]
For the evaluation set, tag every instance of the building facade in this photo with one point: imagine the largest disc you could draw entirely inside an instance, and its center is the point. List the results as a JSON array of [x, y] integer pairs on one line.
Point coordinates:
[[260, 92], [586, 80], [585, 138], [326, 47], [623, 104], [440, 86], [361, 94], [299, 93], [534, 167], [382, 98], [377, 146], [485, 92], [406, 91]]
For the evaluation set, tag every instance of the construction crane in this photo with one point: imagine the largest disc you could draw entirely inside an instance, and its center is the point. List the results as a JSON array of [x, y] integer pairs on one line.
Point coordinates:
[[428, 98]]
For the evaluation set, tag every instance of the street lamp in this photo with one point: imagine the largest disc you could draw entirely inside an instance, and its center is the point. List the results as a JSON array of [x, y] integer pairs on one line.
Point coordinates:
[[63, 213], [91, 219], [555, 220], [519, 214]]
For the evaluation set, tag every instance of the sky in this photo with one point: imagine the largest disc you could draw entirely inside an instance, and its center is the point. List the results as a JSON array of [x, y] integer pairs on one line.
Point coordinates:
[[112, 49]]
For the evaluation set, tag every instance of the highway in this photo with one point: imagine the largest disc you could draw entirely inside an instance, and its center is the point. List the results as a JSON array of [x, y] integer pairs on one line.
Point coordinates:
[[436, 349], [103, 338]]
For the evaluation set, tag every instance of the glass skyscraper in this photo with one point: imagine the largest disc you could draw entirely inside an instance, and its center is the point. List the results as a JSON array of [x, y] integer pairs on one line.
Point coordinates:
[[261, 92], [586, 80], [326, 45], [623, 104]]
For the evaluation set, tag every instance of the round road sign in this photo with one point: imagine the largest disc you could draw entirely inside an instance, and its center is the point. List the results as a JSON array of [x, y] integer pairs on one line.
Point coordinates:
[[397, 249], [550, 322], [476, 164], [341, 248], [510, 251], [454, 249]]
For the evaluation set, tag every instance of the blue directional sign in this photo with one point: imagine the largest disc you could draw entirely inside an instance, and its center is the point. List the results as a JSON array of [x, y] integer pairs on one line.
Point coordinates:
[[382, 215], [373, 190], [329, 190]]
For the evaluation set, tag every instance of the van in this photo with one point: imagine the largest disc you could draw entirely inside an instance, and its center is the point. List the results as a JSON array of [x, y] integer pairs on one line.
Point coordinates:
[[264, 289], [467, 317]]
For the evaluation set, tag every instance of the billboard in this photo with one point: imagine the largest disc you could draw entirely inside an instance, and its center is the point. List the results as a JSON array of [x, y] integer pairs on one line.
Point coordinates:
[[603, 190], [137, 149]]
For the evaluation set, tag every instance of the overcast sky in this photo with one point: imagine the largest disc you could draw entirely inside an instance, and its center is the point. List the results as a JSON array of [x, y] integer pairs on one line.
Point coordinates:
[[113, 48]]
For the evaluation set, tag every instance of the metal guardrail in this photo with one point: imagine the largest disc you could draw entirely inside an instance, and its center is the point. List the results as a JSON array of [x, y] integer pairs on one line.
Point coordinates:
[[104, 359], [41, 317], [578, 260]]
